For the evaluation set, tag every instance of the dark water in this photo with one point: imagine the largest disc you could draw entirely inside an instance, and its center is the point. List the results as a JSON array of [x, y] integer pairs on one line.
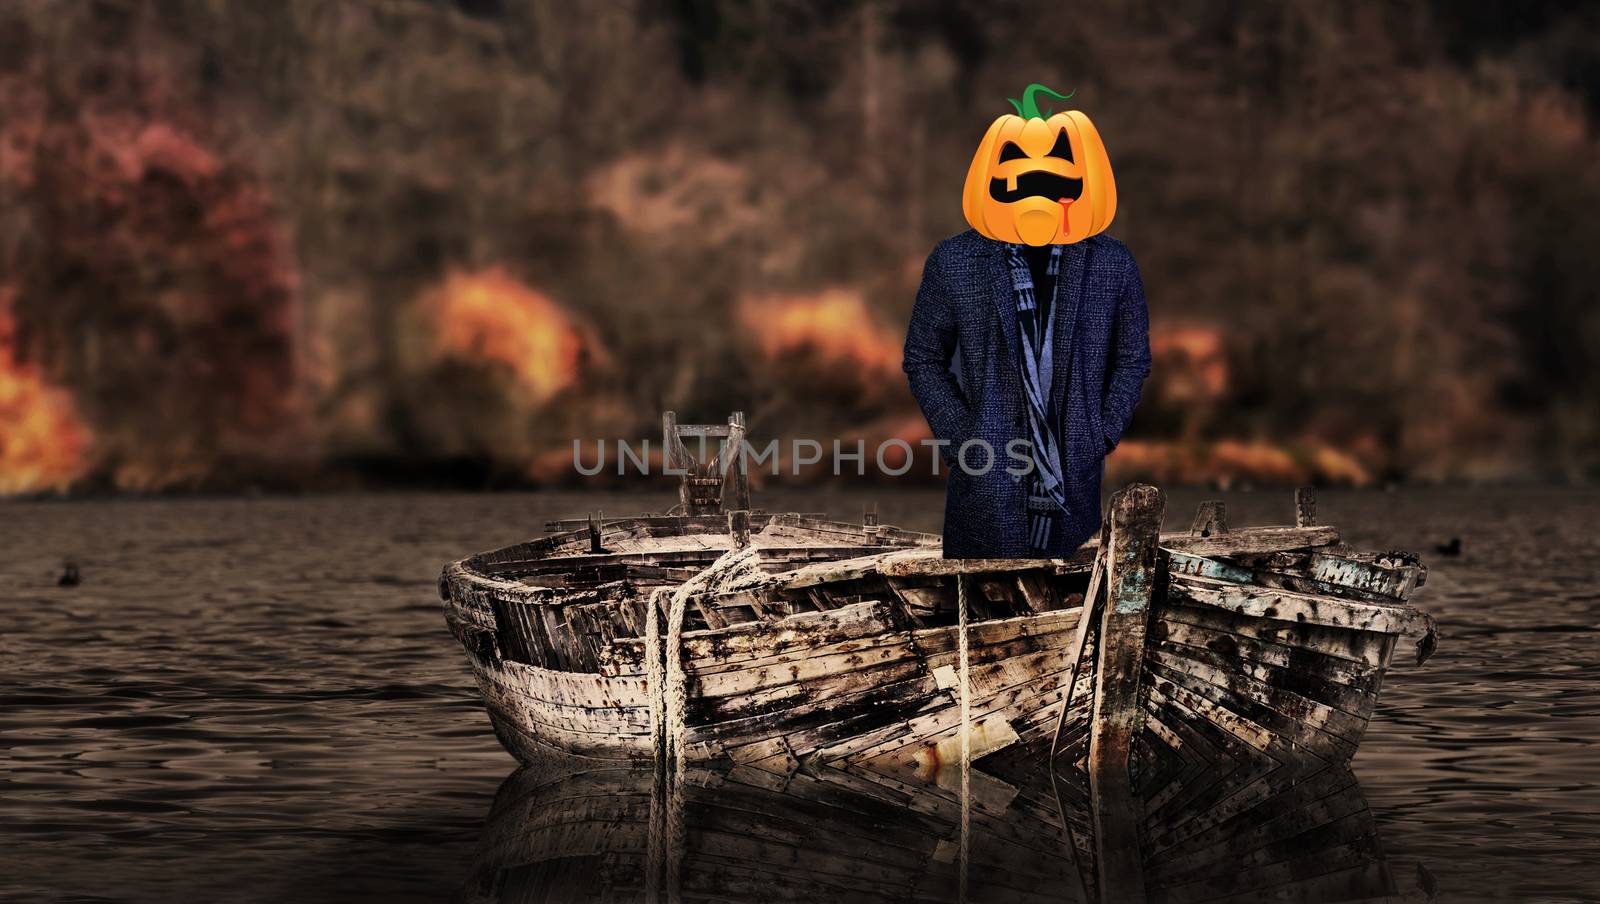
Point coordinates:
[[256, 700]]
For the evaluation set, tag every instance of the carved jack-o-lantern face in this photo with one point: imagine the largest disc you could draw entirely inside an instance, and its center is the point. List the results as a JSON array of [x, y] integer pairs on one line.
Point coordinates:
[[1040, 179]]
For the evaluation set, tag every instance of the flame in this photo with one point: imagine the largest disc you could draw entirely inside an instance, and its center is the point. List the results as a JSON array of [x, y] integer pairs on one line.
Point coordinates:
[[43, 445], [834, 326], [488, 316]]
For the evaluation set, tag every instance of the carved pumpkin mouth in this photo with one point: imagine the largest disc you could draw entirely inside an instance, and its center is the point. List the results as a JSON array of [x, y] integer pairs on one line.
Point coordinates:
[[1037, 184]]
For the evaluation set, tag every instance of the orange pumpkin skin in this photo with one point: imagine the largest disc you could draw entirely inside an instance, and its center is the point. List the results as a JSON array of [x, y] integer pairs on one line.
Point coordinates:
[[1039, 220]]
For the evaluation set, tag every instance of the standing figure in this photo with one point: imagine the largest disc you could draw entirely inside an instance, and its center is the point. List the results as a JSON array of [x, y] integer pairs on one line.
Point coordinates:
[[1029, 341]]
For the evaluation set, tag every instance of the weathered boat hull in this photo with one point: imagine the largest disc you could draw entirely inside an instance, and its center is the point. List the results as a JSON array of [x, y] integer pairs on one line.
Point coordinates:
[[845, 686], [840, 647]]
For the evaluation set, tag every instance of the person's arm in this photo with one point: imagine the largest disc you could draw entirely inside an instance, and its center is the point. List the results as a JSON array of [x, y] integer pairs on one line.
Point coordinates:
[[1130, 357], [930, 344]]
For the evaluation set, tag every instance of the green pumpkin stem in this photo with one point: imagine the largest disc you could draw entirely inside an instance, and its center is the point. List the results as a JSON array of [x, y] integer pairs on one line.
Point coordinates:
[[1028, 107]]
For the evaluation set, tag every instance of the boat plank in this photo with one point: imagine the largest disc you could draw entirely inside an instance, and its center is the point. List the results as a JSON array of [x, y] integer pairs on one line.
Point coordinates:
[[506, 687], [1251, 540], [1300, 608], [1361, 647], [867, 706], [1245, 704], [1229, 785], [1306, 683], [862, 645], [818, 689], [944, 638], [1337, 669], [1004, 689], [754, 640], [1200, 709], [1314, 572], [1234, 572], [554, 723], [577, 688]]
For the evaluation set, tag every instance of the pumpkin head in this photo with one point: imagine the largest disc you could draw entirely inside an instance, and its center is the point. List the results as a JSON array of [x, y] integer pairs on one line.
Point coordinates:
[[1040, 179]]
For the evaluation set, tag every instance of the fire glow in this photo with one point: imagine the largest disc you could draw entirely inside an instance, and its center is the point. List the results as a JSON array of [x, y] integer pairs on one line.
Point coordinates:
[[834, 326], [488, 316], [43, 445]]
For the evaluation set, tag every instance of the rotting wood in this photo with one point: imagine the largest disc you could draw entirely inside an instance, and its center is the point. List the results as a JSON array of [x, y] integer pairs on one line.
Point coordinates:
[[833, 668], [1311, 573], [1303, 608], [1244, 650], [1294, 704], [1360, 647], [1243, 706], [758, 639], [1035, 592], [1253, 540], [739, 527], [1305, 506], [1332, 572], [1211, 519], [739, 498], [1133, 574], [707, 486], [839, 642]]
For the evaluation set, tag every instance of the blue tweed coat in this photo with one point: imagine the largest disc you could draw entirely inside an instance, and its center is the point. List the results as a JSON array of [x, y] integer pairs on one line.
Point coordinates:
[[961, 357]]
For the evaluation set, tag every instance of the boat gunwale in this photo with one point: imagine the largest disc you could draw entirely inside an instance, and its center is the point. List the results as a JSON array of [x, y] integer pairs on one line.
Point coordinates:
[[475, 567], [550, 549], [1396, 618]]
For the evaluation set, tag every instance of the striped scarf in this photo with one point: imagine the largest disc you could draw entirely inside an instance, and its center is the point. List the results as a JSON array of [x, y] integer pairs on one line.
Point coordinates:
[[1047, 500]]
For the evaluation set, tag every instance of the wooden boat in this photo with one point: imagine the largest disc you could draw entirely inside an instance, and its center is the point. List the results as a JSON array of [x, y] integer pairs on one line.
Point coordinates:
[[611, 833], [813, 642]]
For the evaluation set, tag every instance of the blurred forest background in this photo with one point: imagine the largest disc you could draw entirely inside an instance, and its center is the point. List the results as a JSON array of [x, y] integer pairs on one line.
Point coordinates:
[[327, 243]]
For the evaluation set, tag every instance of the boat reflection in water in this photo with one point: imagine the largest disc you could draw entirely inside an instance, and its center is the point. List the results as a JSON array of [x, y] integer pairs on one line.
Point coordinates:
[[602, 832]]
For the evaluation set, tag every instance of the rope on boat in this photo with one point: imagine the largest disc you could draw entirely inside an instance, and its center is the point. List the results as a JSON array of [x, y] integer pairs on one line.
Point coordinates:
[[656, 852], [663, 881], [966, 725], [667, 688], [676, 832], [653, 673], [664, 672], [654, 682], [675, 692]]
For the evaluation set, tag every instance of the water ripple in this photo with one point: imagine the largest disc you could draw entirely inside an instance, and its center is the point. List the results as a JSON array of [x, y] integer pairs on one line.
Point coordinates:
[[256, 700]]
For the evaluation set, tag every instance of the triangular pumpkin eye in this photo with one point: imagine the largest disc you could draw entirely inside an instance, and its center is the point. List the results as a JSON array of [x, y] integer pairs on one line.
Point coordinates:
[[1011, 152], [1063, 147]]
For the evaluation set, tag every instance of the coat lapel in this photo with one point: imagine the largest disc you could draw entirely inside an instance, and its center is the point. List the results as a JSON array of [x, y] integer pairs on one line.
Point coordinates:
[[1064, 309], [993, 258]]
